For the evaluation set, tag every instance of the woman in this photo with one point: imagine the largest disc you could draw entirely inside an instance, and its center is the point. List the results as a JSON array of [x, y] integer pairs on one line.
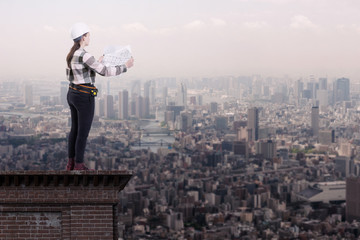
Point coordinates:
[[81, 71]]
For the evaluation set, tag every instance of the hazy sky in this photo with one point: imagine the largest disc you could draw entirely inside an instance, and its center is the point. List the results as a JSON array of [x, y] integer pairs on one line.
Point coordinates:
[[188, 37]]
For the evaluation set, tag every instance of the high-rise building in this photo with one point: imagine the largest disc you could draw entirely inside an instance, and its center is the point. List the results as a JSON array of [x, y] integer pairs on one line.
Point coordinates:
[[176, 111], [299, 88], [213, 107], [64, 87], [315, 121], [165, 95], [200, 100], [266, 148], [133, 107], [186, 121], [109, 106], [99, 107], [344, 165], [182, 95], [139, 107], [327, 137], [241, 148], [342, 90], [146, 107], [124, 104], [28, 95], [253, 123], [352, 199]]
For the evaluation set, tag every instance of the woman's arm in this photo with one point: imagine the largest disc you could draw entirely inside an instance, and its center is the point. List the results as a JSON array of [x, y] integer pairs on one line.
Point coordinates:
[[100, 68]]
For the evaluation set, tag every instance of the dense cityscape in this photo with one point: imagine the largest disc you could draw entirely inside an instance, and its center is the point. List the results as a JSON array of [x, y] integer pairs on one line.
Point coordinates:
[[233, 157]]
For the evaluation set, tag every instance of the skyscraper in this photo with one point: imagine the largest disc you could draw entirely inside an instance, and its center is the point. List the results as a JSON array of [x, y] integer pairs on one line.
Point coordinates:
[[315, 120], [182, 95], [109, 106], [99, 107], [342, 90], [253, 123], [28, 95], [139, 109], [124, 104], [64, 86], [200, 100], [213, 107], [165, 95], [352, 199]]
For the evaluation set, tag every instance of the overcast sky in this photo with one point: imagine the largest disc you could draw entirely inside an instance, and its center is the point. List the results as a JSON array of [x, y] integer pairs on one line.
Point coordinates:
[[188, 37]]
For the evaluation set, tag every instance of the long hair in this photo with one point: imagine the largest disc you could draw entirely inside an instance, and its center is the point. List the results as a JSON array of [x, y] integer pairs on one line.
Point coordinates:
[[75, 47]]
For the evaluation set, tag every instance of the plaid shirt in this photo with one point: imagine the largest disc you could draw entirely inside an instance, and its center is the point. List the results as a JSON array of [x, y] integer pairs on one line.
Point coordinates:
[[84, 68]]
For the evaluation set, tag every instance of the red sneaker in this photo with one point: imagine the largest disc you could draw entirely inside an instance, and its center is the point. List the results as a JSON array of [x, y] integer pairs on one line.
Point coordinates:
[[81, 166], [70, 164]]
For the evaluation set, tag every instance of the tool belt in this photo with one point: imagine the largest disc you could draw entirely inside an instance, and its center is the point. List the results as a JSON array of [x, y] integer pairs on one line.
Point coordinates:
[[85, 88]]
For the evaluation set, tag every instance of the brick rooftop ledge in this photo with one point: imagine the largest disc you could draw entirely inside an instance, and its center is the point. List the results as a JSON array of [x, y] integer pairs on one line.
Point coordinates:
[[60, 204], [61, 186]]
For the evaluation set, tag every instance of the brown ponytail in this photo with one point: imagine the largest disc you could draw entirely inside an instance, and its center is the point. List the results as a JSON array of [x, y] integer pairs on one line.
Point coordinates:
[[70, 55]]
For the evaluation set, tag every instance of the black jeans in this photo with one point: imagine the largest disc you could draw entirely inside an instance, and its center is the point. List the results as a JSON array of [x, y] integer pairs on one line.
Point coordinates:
[[82, 107]]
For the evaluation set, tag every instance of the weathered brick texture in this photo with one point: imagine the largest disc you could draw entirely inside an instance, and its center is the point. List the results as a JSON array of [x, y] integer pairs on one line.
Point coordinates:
[[60, 204]]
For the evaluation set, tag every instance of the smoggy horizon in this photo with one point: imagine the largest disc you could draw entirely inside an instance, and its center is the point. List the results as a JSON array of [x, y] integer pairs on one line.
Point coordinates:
[[186, 38]]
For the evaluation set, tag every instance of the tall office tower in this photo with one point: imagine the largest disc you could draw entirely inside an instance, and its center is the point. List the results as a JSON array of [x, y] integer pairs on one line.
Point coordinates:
[[342, 90], [64, 87], [152, 94], [124, 104], [315, 121], [352, 199], [344, 165], [186, 121], [146, 107], [139, 107], [311, 88], [299, 88], [200, 100], [323, 83], [99, 107], [133, 107], [109, 106], [28, 95], [253, 124], [182, 95], [165, 95], [213, 107]]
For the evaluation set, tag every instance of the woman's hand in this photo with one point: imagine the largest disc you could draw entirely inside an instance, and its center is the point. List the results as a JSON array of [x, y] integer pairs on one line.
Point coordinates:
[[101, 58], [130, 63]]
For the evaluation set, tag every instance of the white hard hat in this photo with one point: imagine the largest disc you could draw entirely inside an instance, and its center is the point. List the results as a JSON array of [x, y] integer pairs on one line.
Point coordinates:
[[79, 29]]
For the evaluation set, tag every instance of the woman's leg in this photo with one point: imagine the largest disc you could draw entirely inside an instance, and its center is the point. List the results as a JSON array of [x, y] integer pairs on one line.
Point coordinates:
[[85, 106], [74, 126]]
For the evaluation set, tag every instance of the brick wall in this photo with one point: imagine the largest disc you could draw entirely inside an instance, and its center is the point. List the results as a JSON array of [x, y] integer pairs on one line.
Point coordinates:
[[59, 204]]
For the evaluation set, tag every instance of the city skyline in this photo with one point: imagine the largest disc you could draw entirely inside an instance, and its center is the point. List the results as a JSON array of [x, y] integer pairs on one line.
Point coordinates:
[[177, 38]]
